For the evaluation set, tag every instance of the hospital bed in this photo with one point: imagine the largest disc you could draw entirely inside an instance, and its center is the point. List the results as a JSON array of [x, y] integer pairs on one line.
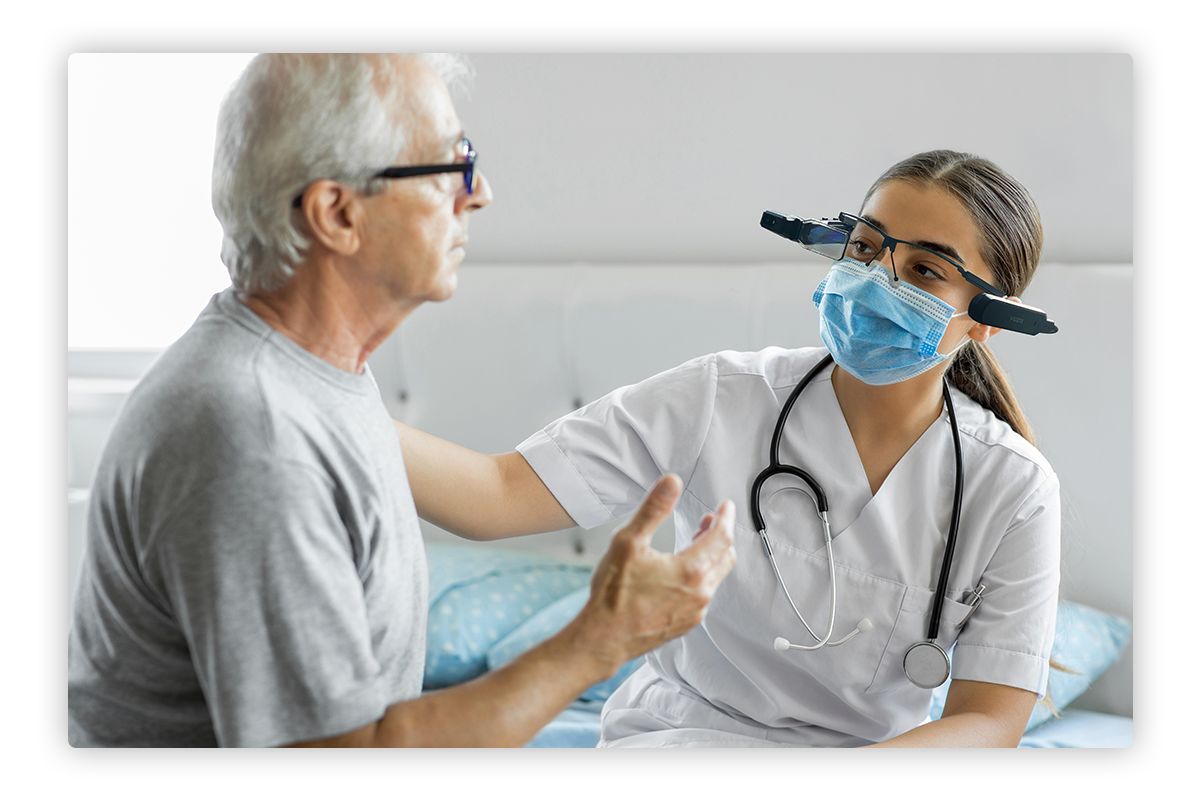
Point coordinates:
[[518, 346]]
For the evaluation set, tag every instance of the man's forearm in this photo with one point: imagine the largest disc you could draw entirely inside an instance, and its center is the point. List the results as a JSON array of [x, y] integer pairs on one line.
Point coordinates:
[[504, 708]]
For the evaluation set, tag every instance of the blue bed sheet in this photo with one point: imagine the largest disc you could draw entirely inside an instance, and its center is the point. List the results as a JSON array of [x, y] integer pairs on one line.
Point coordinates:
[[1078, 728], [578, 726]]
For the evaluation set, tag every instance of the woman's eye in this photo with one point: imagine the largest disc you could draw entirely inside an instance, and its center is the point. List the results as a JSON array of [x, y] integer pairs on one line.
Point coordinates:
[[927, 272]]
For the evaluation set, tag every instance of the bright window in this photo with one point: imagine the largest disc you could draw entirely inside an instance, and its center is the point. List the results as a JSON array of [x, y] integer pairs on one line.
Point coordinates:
[[143, 244]]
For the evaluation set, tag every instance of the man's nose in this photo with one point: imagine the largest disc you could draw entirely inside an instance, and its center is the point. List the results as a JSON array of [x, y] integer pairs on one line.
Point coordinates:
[[477, 199]]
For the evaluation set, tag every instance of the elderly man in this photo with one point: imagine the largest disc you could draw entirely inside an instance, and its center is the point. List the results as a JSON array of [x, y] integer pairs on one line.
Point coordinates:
[[254, 573]]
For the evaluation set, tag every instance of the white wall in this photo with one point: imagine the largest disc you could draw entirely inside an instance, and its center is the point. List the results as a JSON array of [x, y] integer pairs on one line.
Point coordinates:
[[621, 158], [673, 157]]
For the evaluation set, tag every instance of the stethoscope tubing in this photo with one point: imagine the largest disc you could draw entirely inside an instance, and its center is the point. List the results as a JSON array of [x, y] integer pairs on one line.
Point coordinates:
[[956, 511], [819, 498], [821, 640], [775, 468]]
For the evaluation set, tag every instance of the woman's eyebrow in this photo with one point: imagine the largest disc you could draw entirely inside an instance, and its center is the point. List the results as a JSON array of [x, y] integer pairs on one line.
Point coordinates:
[[937, 247]]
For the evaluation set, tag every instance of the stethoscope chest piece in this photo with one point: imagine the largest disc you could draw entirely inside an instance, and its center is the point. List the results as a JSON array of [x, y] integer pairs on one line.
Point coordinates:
[[927, 665]]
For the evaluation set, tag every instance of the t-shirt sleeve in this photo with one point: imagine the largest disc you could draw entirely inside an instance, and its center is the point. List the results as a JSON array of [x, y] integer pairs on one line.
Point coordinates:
[[1009, 637], [264, 581], [600, 461]]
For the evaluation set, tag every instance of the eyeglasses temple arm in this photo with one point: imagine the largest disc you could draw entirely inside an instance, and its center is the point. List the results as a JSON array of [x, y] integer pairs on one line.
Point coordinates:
[[978, 282]]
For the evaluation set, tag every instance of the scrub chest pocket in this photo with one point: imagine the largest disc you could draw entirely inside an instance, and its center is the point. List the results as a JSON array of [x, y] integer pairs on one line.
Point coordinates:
[[873, 661], [912, 625]]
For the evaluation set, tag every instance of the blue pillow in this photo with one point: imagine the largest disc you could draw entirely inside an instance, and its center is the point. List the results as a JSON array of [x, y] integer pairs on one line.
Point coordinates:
[[477, 596], [452, 564], [544, 624], [1086, 641]]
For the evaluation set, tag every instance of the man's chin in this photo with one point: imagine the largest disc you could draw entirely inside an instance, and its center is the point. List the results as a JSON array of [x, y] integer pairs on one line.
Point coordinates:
[[446, 289]]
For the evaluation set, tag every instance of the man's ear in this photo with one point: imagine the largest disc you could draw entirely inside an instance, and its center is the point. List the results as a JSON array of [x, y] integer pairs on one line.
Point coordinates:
[[333, 215]]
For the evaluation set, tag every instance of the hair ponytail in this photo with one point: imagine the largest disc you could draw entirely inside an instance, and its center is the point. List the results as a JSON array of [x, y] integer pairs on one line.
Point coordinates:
[[976, 373]]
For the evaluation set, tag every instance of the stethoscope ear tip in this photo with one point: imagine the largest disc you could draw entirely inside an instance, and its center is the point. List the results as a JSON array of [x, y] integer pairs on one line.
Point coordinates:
[[782, 644]]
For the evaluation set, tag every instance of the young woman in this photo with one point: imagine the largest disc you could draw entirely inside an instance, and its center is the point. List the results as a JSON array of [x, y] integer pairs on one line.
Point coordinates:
[[905, 463]]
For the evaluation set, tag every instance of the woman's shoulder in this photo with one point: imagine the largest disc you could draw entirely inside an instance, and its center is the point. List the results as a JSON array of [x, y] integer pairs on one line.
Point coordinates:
[[777, 365], [995, 439]]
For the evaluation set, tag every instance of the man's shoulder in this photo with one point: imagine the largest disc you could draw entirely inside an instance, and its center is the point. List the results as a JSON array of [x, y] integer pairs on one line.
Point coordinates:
[[204, 394]]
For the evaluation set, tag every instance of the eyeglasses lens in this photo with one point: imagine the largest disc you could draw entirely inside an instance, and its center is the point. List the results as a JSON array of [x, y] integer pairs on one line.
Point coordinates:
[[823, 239], [866, 244], [468, 152]]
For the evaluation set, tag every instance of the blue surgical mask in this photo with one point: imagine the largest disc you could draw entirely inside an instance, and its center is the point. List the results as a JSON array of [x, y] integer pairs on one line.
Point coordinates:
[[879, 330]]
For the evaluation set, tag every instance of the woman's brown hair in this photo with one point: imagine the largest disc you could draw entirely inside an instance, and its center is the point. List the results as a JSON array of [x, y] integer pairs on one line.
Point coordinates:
[[1010, 233]]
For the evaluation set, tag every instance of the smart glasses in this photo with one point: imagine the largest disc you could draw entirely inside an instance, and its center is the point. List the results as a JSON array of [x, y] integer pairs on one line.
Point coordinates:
[[466, 167], [850, 236]]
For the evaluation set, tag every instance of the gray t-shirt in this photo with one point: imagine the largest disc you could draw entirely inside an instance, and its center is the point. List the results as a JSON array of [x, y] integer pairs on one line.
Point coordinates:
[[254, 573]]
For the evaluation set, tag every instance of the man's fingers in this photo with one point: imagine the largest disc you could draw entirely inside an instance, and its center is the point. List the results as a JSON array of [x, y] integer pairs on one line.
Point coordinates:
[[721, 522], [655, 508], [714, 544], [654, 596]]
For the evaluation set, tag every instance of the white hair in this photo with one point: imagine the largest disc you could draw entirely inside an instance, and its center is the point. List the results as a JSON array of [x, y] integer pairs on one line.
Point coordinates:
[[289, 120]]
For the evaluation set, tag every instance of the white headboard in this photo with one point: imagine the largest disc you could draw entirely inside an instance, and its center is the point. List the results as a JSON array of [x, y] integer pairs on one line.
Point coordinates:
[[519, 346]]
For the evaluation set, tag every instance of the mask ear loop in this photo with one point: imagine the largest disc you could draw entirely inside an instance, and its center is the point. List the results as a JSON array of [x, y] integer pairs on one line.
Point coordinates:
[[966, 336]]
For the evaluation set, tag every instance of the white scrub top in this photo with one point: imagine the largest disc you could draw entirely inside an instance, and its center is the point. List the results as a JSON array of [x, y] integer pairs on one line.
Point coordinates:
[[710, 421]]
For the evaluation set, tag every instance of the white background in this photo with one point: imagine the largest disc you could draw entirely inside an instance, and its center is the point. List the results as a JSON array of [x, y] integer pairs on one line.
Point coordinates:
[[27, 25]]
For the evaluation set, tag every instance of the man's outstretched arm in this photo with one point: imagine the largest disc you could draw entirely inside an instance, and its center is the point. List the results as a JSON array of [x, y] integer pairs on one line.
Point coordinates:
[[640, 599]]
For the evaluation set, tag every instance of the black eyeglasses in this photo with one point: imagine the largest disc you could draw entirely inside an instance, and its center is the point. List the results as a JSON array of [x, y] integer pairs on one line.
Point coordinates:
[[466, 167]]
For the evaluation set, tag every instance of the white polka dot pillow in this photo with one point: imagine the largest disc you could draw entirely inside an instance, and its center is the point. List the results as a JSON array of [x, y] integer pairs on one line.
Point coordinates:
[[480, 594]]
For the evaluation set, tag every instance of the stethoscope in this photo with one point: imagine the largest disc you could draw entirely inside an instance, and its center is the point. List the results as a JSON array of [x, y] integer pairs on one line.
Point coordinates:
[[925, 663]]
